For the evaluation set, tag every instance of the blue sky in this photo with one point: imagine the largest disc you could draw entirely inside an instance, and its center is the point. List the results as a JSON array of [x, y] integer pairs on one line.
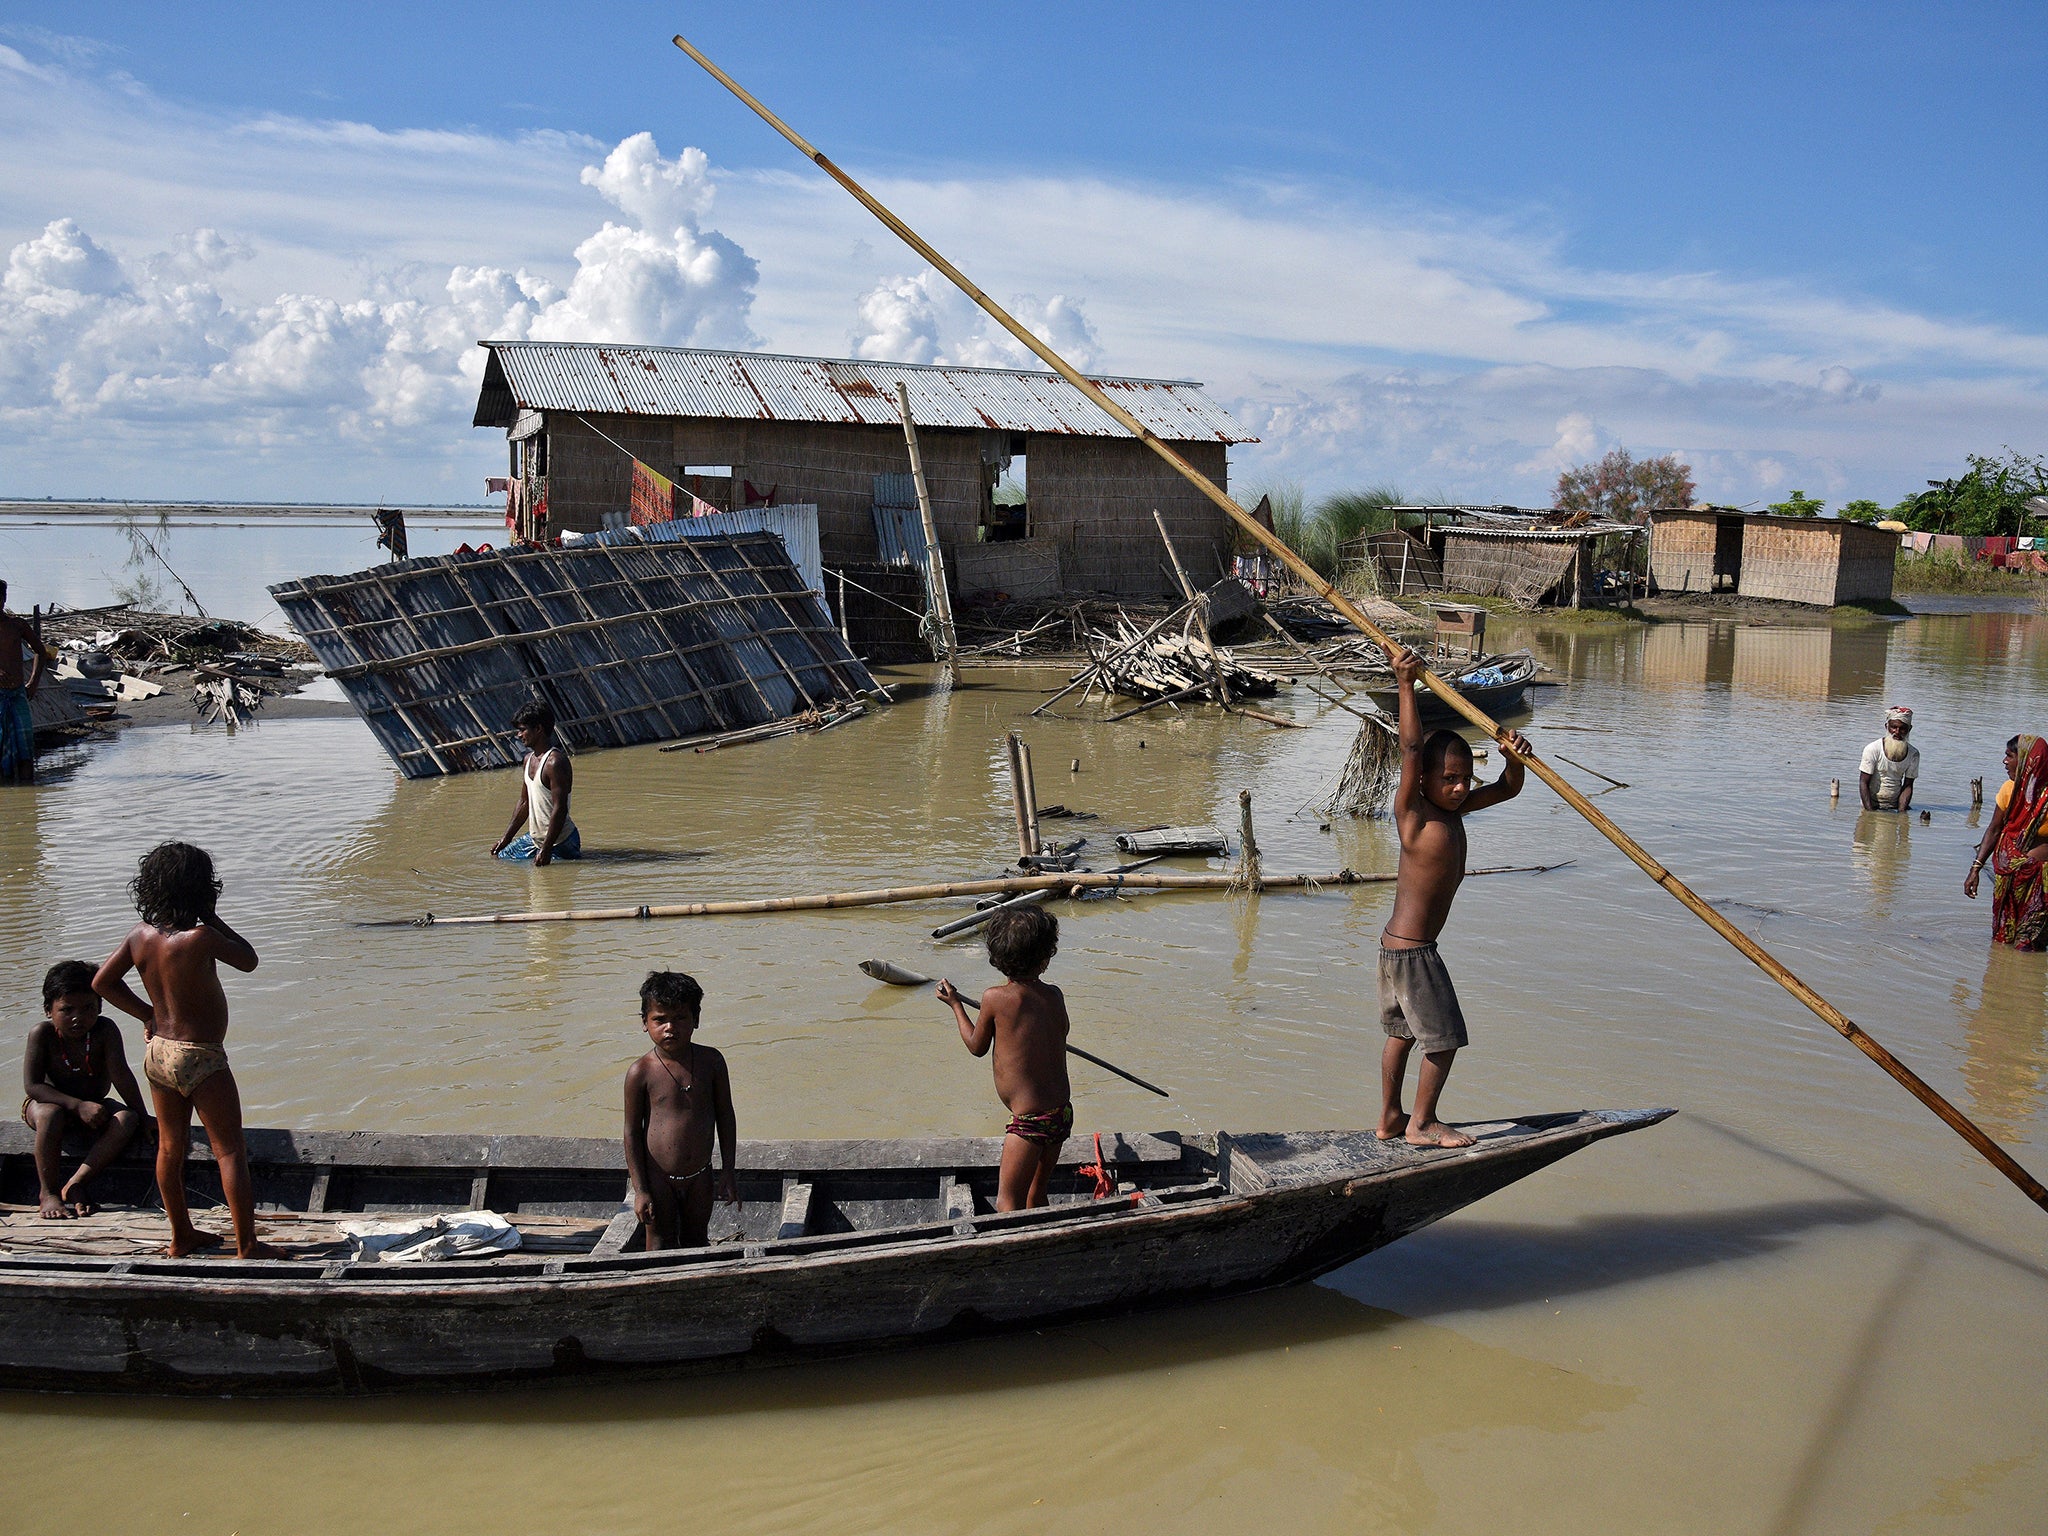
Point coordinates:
[[1453, 247]]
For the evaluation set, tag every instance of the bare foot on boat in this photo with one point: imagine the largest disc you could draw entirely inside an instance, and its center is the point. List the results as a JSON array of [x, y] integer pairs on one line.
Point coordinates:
[[1392, 1127], [80, 1206], [197, 1242], [1436, 1134], [52, 1207], [262, 1251]]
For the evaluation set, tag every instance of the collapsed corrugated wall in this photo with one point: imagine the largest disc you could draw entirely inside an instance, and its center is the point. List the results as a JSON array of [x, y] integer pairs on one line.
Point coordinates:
[[629, 643]]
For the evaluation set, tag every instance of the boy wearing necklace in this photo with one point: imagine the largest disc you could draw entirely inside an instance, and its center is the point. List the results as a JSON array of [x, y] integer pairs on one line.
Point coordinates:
[[74, 1064], [677, 1097]]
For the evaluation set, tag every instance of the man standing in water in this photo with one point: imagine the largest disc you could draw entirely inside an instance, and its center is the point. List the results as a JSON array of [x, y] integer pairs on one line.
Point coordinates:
[[1890, 765], [17, 724], [541, 829], [1418, 1005]]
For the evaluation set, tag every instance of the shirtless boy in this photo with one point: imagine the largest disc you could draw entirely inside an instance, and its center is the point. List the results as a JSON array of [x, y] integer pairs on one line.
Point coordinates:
[[74, 1064], [1417, 1002], [677, 1095], [17, 724], [1025, 1019], [541, 829], [175, 949]]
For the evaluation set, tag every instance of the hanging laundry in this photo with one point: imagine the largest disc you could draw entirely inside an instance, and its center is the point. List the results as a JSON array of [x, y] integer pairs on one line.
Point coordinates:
[[654, 497]]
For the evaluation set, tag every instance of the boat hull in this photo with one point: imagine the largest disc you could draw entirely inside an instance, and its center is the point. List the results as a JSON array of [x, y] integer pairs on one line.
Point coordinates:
[[1272, 1210]]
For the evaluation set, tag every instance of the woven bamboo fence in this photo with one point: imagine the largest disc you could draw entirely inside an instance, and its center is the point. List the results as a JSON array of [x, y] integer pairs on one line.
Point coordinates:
[[629, 643]]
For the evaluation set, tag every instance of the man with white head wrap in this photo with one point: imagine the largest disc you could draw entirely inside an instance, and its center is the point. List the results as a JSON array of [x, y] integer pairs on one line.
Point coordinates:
[[1890, 765]]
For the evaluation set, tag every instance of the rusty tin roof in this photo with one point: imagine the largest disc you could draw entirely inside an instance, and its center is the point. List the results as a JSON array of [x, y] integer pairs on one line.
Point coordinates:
[[766, 386]]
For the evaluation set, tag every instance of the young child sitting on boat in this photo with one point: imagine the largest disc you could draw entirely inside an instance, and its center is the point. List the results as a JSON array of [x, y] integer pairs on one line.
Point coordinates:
[[1418, 1005], [1025, 1019], [677, 1096], [541, 829], [177, 949], [74, 1065]]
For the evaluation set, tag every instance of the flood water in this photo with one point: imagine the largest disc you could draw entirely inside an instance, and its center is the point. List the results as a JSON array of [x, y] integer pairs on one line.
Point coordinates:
[[1801, 1305]]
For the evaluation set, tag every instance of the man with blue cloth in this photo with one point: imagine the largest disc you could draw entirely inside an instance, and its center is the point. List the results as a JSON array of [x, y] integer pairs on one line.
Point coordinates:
[[541, 829], [17, 725]]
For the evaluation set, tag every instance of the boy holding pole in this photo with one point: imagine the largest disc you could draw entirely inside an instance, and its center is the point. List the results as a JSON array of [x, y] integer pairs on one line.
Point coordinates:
[[1418, 1004]]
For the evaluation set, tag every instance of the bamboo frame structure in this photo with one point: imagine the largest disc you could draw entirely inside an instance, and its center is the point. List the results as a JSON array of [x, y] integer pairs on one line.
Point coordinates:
[[1754, 952], [629, 642]]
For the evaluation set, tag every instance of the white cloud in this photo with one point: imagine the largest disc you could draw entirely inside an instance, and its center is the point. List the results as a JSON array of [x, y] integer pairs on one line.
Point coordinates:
[[925, 319], [92, 348], [235, 307]]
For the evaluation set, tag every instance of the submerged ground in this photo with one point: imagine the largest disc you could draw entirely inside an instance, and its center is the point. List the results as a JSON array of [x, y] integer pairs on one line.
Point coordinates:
[[1802, 1305]]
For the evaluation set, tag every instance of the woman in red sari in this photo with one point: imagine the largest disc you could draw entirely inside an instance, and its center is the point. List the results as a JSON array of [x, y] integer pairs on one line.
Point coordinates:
[[2019, 905]]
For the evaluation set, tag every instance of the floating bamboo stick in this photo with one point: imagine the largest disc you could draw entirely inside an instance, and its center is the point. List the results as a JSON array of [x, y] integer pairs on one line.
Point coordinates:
[[1762, 958], [1000, 886]]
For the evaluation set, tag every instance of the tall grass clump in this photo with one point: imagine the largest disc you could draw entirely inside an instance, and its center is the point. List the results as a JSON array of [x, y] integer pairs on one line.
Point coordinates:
[[1319, 533]]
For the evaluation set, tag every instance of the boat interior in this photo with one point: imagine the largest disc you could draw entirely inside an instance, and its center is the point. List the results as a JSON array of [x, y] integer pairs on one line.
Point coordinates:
[[566, 1196]]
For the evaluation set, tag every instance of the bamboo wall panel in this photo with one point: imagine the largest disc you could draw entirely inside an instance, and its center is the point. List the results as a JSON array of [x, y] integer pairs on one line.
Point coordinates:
[[1682, 552], [629, 642], [1095, 497]]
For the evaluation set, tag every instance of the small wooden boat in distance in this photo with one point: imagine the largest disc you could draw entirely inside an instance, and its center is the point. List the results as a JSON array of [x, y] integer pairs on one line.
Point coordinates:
[[1517, 672], [837, 1246]]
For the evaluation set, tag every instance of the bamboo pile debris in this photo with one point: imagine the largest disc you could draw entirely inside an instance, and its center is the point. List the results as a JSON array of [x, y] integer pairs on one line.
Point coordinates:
[[1169, 668], [120, 654]]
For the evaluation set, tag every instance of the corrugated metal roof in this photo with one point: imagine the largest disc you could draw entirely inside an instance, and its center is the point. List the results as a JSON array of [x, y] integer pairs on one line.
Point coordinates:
[[763, 386], [796, 524], [1538, 535]]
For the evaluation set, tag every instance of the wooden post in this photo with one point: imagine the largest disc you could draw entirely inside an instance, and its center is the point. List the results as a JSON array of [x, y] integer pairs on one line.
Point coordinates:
[[1200, 603], [1030, 794], [1636, 854], [1976, 792], [1248, 855], [1026, 846], [940, 600]]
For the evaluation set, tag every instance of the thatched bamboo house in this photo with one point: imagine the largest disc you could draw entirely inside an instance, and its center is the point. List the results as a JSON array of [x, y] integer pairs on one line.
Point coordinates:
[[743, 428], [1819, 561]]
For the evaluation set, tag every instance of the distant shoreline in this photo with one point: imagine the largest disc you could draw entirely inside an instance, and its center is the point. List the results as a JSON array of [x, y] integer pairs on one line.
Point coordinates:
[[10, 506]]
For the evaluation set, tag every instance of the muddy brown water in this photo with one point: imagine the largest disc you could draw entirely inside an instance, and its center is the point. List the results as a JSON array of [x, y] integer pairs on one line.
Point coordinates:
[[1801, 1305]]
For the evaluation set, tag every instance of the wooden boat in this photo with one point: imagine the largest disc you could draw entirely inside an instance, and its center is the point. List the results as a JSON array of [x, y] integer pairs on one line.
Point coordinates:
[[1496, 699], [837, 1246]]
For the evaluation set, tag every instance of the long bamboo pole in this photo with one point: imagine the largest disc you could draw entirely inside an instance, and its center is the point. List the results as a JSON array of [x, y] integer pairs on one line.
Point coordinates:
[[1001, 886], [934, 557], [1762, 958]]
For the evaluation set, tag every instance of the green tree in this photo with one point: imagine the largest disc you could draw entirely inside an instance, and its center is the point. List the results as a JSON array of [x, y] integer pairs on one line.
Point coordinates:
[[1989, 498], [1860, 512], [1624, 488], [1801, 505]]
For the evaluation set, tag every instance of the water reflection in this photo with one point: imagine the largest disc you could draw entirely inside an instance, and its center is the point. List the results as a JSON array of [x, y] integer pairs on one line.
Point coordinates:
[[1820, 660], [1882, 848], [2005, 1040], [1150, 1423]]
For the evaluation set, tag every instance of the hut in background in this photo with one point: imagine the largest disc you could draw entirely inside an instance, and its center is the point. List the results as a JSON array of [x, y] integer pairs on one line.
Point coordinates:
[[740, 429], [1813, 560]]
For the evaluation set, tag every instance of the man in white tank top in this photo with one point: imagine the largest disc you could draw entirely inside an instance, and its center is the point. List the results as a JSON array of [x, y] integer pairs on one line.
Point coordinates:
[[541, 829]]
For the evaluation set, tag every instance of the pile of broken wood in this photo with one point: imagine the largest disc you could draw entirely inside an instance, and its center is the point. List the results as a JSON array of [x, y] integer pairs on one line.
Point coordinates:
[[122, 655], [1163, 666]]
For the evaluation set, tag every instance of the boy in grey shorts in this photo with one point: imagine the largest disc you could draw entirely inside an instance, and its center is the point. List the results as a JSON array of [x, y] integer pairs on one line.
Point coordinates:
[[1418, 1004]]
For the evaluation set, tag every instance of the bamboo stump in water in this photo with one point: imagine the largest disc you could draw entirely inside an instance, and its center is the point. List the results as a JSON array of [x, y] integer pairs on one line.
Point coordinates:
[[1248, 869]]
